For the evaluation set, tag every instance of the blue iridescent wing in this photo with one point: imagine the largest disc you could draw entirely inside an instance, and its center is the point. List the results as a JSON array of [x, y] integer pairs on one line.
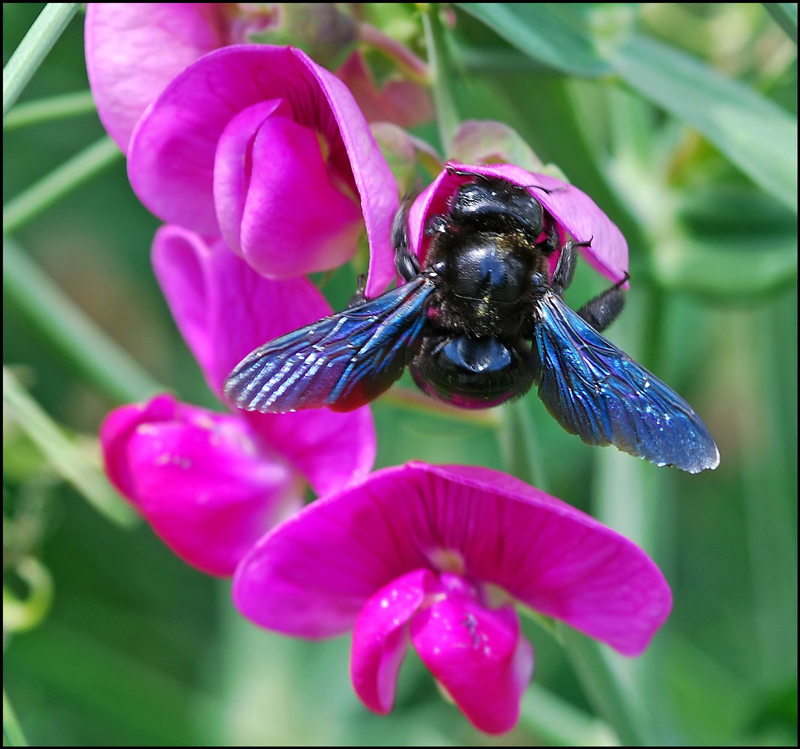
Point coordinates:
[[342, 361], [598, 392]]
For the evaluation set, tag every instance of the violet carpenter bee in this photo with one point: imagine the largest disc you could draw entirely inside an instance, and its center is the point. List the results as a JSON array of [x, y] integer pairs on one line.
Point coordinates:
[[478, 323]]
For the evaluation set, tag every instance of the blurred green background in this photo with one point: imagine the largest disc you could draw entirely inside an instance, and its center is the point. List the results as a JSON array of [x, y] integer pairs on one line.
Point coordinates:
[[131, 646]]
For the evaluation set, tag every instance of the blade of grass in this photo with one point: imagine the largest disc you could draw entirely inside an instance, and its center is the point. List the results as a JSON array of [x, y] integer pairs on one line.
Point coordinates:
[[32, 50], [60, 182], [785, 15], [440, 66], [64, 455], [56, 317], [12, 731], [51, 108], [542, 31], [753, 132]]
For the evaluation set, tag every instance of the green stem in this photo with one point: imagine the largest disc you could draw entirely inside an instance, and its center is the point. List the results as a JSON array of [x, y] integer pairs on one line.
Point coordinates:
[[440, 66], [12, 731], [633, 498], [602, 686], [768, 484], [415, 68], [519, 444], [652, 348], [60, 182], [559, 723], [67, 458], [32, 50], [51, 108], [56, 317]]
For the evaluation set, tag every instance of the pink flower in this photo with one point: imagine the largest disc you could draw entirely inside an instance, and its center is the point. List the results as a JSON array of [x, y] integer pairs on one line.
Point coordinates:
[[211, 484], [431, 555], [133, 50], [262, 146], [574, 212]]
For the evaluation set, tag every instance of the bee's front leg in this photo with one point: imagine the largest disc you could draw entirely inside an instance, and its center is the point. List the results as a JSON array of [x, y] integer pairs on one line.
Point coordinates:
[[601, 311]]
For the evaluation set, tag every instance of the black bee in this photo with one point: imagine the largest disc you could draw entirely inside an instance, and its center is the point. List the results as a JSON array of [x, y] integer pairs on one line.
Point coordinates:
[[478, 324]]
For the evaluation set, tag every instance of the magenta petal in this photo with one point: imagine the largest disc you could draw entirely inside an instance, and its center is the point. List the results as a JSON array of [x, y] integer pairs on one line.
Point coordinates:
[[117, 429], [330, 449], [180, 259], [478, 656], [573, 209], [233, 165], [380, 638], [295, 221], [199, 479], [206, 488], [133, 50], [172, 153], [224, 310], [473, 521]]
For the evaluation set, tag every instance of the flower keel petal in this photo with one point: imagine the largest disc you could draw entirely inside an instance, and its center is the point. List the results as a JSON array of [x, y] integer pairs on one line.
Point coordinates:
[[380, 638], [478, 656]]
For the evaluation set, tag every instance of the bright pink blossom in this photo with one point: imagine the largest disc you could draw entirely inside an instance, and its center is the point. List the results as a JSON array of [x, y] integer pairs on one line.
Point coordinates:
[[431, 556], [575, 213], [210, 484], [133, 50], [263, 147]]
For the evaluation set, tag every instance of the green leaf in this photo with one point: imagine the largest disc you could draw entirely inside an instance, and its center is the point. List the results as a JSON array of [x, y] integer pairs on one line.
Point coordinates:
[[66, 457], [756, 135], [544, 32], [785, 15], [725, 270]]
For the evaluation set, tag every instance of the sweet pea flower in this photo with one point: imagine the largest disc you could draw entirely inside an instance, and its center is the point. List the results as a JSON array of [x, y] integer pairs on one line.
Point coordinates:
[[432, 556], [133, 50], [574, 212], [263, 147], [211, 484]]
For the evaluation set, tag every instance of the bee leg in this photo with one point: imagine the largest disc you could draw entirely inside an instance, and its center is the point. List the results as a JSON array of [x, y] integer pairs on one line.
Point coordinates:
[[360, 296], [462, 173], [565, 267], [601, 311], [405, 262]]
